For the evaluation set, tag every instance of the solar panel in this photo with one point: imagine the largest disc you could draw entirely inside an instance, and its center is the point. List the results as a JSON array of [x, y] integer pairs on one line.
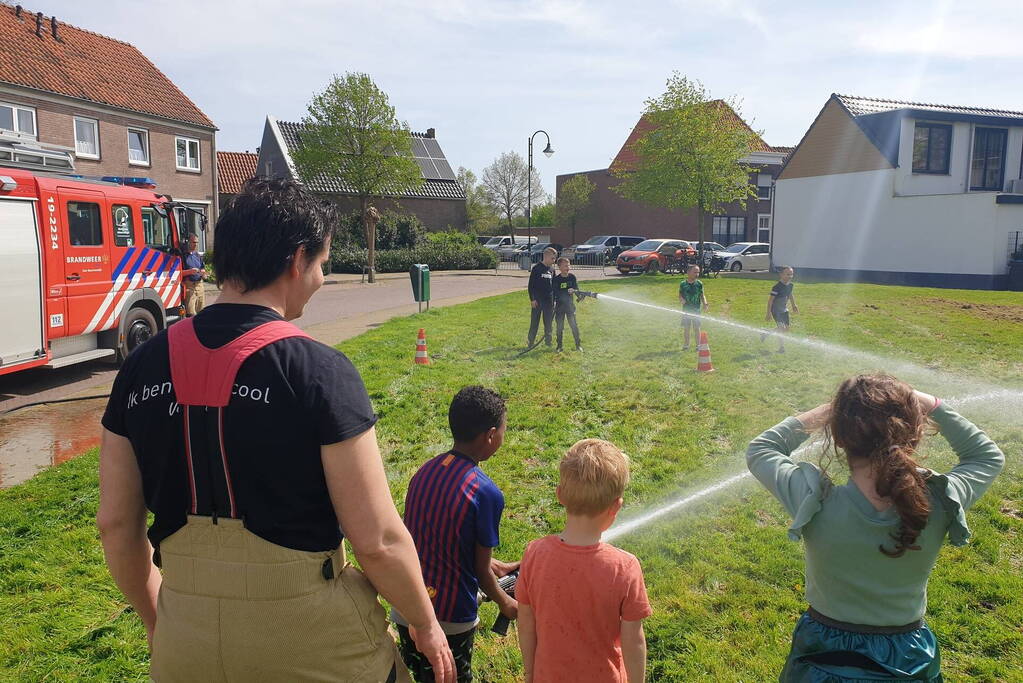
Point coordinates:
[[444, 169], [432, 164], [427, 168], [433, 148]]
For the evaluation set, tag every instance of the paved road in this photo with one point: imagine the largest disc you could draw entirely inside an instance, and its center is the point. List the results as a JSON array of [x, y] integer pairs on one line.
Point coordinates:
[[40, 436]]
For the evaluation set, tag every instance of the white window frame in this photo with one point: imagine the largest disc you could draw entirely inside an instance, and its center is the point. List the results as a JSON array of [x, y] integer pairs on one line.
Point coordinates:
[[95, 123], [14, 116], [145, 137], [198, 154], [760, 228]]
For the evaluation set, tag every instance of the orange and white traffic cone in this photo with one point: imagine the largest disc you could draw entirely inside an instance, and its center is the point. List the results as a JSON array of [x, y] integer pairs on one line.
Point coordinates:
[[422, 358], [703, 354]]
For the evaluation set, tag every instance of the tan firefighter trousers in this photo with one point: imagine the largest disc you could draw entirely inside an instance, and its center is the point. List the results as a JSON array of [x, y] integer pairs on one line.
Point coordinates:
[[235, 607]]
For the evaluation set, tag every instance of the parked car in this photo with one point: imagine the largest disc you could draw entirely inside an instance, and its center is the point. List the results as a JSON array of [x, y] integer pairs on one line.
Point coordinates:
[[747, 256], [650, 256], [609, 245], [500, 241], [536, 251]]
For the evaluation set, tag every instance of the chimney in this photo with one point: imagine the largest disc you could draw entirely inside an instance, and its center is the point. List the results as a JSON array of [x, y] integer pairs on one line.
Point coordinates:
[[53, 28], [17, 12], [39, 24], [431, 132]]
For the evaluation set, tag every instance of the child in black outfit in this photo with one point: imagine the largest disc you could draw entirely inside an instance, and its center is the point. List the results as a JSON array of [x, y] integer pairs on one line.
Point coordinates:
[[541, 297], [565, 286]]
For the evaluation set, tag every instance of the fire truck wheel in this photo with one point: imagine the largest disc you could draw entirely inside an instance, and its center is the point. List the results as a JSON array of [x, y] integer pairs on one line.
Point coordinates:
[[139, 327]]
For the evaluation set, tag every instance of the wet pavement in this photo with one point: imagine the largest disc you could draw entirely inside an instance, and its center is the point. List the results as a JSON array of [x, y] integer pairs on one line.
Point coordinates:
[[41, 436]]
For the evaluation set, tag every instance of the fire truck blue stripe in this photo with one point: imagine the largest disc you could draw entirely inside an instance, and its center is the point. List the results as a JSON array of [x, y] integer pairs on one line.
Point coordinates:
[[135, 267], [152, 261], [124, 261], [163, 264]]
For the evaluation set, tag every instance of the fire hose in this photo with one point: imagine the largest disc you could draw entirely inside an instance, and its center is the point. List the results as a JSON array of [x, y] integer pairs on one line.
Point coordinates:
[[507, 584]]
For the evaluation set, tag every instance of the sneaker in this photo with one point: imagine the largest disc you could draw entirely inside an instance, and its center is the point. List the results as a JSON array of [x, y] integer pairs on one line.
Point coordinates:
[[763, 336], [781, 350], [686, 347], [559, 349], [578, 347]]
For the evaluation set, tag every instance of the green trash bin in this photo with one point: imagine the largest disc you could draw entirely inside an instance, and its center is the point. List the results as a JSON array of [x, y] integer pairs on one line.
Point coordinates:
[[420, 275]]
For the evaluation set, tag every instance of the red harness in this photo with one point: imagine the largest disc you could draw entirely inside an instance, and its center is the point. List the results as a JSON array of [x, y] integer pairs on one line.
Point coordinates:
[[203, 379]]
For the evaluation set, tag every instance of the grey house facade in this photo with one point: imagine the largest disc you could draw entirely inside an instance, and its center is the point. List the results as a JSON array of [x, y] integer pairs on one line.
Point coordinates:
[[439, 203]]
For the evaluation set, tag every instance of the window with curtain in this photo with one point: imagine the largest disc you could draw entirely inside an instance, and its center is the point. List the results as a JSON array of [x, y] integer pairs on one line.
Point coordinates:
[[86, 137], [988, 163], [138, 146], [729, 229]]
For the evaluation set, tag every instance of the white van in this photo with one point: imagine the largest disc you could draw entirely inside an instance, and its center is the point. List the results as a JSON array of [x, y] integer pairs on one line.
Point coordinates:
[[495, 243]]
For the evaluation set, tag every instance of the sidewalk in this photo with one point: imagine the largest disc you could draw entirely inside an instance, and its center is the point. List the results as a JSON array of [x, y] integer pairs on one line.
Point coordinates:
[[355, 278]]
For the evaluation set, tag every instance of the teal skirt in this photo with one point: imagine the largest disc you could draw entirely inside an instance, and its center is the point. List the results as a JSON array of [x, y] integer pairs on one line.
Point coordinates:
[[823, 653]]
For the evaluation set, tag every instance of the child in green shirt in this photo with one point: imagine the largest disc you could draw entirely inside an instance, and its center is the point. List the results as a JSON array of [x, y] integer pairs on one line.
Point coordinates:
[[870, 544], [690, 295]]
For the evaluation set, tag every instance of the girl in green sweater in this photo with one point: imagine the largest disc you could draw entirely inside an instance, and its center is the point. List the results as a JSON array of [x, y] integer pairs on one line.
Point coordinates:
[[870, 544]]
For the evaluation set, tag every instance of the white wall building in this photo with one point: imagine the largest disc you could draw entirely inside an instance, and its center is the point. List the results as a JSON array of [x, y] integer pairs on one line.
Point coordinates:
[[903, 193]]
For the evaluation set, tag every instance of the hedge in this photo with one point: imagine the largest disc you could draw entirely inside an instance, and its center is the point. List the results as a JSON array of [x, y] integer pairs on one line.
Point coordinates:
[[438, 257]]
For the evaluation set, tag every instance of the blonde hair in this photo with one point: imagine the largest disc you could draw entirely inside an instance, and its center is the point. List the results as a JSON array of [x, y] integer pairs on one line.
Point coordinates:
[[551, 250], [593, 475]]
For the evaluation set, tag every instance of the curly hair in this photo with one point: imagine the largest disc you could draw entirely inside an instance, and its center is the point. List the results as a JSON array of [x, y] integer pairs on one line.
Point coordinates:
[[474, 410], [878, 419]]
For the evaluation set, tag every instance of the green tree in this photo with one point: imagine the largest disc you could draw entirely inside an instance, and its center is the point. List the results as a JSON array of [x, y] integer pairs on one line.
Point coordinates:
[[351, 134], [506, 183], [573, 199], [690, 156], [480, 214]]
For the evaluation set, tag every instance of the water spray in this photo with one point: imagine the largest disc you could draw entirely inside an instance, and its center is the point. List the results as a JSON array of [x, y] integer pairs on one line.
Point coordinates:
[[628, 526], [895, 366]]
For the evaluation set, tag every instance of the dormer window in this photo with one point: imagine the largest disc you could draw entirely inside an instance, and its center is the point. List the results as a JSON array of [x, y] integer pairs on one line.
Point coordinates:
[[932, 147]]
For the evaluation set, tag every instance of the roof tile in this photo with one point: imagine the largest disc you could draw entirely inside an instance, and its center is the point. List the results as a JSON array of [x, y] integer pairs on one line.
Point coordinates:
[[860, 106], [233, 169], [88, 66], [627, 156]]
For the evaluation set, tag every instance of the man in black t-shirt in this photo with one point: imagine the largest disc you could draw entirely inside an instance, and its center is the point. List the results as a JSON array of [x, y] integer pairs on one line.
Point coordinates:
[[250, 443], [541, 297], [778, 305]]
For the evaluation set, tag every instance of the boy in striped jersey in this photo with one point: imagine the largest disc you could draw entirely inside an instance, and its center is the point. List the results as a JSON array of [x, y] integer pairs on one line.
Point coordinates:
[[453, 511]]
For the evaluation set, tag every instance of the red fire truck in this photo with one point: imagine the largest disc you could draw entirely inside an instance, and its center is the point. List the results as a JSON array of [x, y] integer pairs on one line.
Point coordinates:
[[89, 267]]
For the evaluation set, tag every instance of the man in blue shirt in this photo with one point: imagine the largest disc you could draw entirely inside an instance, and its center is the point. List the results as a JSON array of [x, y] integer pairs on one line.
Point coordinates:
[[193, 273]]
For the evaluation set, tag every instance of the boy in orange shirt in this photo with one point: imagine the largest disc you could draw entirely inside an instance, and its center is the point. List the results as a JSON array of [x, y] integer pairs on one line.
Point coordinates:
[[582, 602]]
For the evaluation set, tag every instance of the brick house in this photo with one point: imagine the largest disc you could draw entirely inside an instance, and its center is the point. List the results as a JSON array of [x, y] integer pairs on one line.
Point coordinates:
[[609, 213], [104, 100], [439, 203], [233, 169]]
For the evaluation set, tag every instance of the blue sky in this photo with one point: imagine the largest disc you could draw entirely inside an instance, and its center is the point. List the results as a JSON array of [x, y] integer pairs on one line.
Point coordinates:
[[488, 73]]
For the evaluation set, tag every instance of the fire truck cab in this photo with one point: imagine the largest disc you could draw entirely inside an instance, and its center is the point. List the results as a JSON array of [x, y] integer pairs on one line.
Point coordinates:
[[89, 267]]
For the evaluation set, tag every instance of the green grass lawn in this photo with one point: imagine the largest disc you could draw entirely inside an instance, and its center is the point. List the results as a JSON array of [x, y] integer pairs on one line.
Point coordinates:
[[725, 583]]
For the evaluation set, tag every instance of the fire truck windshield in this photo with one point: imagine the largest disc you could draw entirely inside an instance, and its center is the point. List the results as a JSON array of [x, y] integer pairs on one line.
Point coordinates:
[[157, 229]]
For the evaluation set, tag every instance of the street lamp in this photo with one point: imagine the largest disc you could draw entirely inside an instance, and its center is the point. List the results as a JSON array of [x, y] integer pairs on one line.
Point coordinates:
[[529, 188]]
